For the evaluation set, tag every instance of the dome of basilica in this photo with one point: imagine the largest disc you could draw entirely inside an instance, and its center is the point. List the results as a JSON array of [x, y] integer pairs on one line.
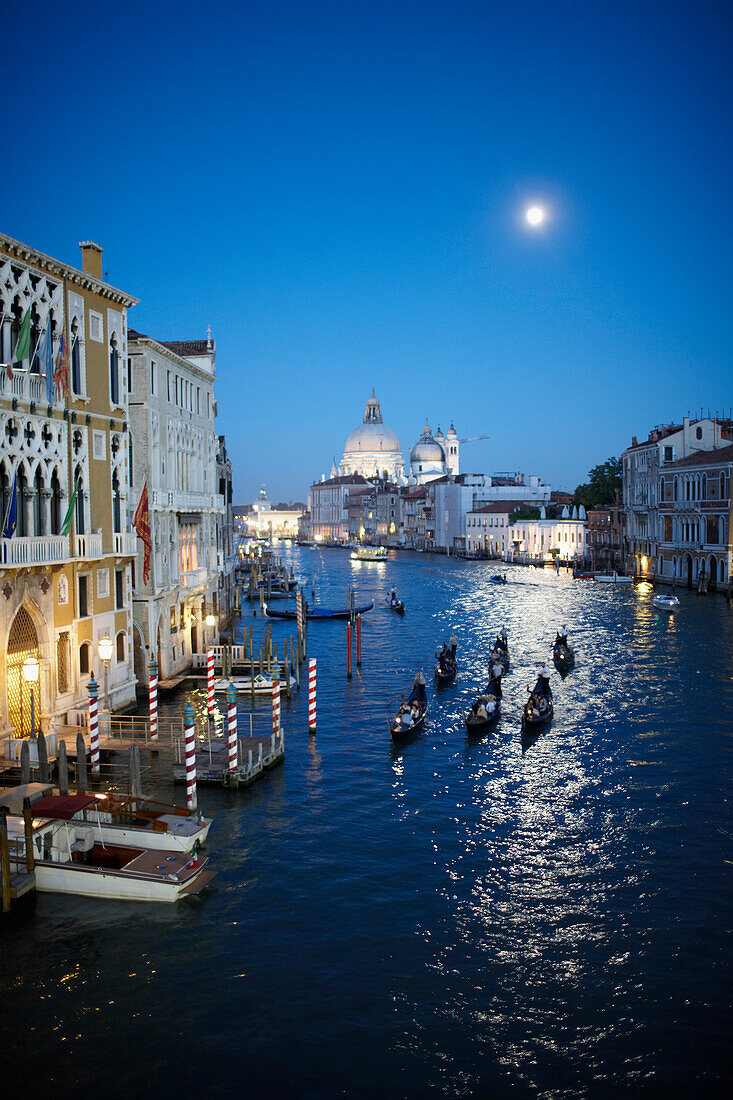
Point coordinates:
[[373, 449], [427, 449]]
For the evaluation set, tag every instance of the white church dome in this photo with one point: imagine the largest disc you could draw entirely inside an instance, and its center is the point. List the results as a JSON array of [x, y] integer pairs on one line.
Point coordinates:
[[427, 449], [372, 435]]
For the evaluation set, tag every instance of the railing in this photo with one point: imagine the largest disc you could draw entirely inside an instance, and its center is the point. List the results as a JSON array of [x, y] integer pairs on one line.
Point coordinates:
[[192, 578], [26, 387], [184, 500], [34, 550], [88, 546], [125, 543]]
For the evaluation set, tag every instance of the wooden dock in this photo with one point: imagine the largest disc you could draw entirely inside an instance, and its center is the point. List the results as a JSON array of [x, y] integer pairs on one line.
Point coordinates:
[[256, 756]]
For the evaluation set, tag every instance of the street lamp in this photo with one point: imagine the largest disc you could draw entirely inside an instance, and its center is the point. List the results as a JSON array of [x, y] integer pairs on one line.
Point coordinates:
[[30, 675], [105, 654]]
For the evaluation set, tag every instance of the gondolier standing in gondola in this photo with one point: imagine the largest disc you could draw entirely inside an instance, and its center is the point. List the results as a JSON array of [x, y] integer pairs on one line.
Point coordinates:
[[453, 644], [418, 689], [542, 687], [501, 639]]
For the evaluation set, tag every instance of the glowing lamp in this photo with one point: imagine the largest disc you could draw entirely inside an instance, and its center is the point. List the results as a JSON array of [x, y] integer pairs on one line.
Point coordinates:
[[104, 647], [210, 620], [31, 669]]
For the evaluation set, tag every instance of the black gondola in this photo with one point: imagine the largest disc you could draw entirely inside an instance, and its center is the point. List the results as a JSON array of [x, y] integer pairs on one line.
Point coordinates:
[[397, 606], [445, 676], [476, 726], [532, 717], [400, 732], [563, 656]]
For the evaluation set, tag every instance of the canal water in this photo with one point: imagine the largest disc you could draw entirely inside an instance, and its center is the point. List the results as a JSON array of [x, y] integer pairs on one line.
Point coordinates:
[[472, 918]]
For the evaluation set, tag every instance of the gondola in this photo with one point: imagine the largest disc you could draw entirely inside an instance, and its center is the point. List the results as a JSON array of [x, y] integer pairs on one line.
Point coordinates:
[[403, 733], [531, 721], [563, 656], [320, 612], [443, 678], [498, 578], [397, 606], [476, 726]]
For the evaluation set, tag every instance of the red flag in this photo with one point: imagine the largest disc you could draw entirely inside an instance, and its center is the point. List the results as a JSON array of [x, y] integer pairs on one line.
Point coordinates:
[[61, 373], [141, 523]]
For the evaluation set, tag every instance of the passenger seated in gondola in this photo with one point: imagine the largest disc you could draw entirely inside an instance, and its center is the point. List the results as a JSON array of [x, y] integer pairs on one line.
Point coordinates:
[[404, 717], [393, 601], [418, 689], [415, 712], [445, 659], [479, 709]]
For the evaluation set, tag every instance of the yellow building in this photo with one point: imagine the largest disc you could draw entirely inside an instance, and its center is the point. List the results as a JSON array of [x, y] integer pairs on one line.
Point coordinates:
[[61, 594]]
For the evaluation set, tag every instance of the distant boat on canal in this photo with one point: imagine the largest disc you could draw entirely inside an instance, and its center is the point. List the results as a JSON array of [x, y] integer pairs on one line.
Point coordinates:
[[369, 553], [318, 611]]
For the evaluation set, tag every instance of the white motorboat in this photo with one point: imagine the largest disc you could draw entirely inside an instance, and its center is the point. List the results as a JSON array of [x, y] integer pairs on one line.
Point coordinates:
[[243, 684], [116, 819], [369, 553], [665, 601], [613, 578], [70, 860]]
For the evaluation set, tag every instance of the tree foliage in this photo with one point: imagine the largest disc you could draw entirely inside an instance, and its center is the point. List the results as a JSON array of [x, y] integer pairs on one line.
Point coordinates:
[[603, 483]]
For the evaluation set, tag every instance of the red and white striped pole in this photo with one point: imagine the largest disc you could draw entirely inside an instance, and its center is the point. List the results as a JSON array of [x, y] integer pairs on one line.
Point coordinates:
[[275, 708], [312, 695], [153, 697], [93, 689], [232, 724], [348, 651], [190, 742], [210, 681]]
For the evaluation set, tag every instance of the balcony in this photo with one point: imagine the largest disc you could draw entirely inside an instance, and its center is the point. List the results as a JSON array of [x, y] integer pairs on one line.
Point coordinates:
[[193, 578], [184, 501], [34, 550], [88, 546], [26, 387], [125, 543]]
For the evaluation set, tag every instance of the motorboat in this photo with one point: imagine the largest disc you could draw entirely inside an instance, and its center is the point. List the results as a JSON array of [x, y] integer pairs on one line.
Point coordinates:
[[666, 601], [70, 859], [369, 553], [613, 578], [115, 818], [262, 684]]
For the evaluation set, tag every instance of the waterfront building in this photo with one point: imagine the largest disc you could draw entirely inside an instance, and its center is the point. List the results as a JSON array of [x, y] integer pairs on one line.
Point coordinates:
[[694, 536], [453, 497], [64, 587], [488, 527], [372, 450], [642, 464], [225, 537], [264, 519], [606, 536], [329, 502], [546, 539], [172, 412]]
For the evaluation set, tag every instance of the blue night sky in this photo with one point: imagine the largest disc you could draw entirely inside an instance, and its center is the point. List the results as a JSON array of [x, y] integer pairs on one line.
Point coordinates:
[[338, 189]]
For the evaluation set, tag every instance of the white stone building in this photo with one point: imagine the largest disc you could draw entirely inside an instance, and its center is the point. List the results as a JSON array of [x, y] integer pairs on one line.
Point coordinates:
[[488, 528], [174, 446], [546, 539]]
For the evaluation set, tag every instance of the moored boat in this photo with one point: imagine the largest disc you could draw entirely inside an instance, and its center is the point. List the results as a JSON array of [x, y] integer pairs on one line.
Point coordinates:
[[613, 578], [70, 860], [262, 685], [318, 611]]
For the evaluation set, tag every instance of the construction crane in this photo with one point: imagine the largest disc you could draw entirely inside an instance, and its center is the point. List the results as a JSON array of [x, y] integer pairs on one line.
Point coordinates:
[[474, 439]]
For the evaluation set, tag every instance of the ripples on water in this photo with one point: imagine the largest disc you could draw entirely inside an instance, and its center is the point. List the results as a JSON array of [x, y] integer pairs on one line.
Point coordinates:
[[457, 917]]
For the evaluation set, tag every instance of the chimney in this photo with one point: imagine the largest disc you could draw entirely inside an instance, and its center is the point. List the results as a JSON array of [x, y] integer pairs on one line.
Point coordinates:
[[91, 258]]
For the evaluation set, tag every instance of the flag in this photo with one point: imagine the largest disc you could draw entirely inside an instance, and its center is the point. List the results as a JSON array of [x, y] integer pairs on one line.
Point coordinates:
[[45, 360], [141, 523], [61, 373], [10, 520], [23, 347], [66, 525]]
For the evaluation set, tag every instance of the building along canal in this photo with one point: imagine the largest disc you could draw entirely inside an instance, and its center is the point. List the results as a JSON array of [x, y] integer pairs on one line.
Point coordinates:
[[457, 917]]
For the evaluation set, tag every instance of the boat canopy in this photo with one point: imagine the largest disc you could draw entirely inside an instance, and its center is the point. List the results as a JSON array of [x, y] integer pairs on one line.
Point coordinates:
[[62, 807]]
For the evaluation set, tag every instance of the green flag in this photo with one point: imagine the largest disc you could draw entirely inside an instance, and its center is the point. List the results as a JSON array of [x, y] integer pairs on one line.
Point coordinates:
[[23, 347], [66, 525]]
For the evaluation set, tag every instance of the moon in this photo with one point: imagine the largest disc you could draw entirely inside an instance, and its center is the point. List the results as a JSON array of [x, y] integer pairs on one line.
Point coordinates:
[[535, 215]]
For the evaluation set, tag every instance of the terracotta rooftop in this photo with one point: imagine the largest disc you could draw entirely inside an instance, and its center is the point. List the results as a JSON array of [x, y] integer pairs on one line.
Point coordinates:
[[703, 458], [505, 507], [187, 348]]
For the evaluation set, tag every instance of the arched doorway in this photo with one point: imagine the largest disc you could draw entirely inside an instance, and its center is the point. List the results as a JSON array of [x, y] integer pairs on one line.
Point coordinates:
[[712, 572], [139, 657], [22, 643], [688, 563]]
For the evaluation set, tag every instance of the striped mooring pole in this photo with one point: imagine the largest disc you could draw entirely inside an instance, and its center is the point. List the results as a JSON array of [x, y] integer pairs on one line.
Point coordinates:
[[93, 689], [190, 743], [312, 695], [210, 681], [153, 697], [232, 726], [275, 707]]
